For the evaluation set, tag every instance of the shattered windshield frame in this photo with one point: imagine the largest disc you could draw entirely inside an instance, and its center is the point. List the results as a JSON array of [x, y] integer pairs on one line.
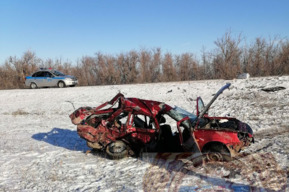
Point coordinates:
[[178, 114]]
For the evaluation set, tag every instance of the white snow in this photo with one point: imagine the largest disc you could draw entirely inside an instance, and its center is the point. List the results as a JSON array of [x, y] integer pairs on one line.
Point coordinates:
[[41, 151]]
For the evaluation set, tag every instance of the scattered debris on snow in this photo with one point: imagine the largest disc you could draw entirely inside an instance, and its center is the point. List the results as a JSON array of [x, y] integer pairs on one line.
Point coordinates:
[[273, 89], [244, 76]]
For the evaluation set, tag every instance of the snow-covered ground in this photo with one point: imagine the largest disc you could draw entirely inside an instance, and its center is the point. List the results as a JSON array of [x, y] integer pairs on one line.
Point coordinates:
[[41, 151]]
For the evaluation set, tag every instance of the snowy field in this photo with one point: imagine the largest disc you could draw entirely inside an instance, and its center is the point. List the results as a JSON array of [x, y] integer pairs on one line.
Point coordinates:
[[41, 151]]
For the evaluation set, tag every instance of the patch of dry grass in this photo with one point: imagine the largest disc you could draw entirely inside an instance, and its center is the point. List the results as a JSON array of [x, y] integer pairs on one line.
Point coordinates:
[[19, 112]]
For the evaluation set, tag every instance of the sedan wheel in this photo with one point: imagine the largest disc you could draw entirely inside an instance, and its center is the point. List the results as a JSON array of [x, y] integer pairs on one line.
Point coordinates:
[[61, 84], [33, 86]]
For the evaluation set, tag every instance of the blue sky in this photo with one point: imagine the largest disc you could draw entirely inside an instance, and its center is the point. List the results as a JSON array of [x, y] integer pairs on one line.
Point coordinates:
[[70, 29]]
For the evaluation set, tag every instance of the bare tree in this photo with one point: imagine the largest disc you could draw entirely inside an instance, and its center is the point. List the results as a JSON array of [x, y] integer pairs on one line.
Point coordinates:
[[144, 60], [155, 66], [206, 69], [127, 66], [132, 62], [169, 70], [113, 75], [15, 70], [257, 58], [283, 59], [227, 60], [88, 75], [186, 66]]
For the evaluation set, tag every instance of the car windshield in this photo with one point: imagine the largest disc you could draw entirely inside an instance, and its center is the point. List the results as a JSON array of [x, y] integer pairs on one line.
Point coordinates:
[[58, 73], [178, 114]]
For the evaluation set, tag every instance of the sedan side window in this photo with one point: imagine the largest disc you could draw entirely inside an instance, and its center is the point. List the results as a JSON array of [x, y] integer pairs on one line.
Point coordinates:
[[47, 74], [38, 74]]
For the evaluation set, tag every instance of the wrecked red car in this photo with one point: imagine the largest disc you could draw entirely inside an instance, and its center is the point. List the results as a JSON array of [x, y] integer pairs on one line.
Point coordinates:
[[128, 126]]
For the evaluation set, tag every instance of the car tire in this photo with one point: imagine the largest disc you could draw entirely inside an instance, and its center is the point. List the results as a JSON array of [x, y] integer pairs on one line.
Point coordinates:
[[61, 84], [33, 86], [217, 153], [117, 150]]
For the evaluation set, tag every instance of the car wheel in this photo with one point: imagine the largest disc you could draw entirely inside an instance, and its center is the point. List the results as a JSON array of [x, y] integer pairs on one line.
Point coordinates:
[[217, 153], [117, 150], [61, 84], [33, 86]]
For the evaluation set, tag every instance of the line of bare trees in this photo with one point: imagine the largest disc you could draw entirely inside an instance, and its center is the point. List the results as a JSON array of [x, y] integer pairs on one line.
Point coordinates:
[[231, 57]]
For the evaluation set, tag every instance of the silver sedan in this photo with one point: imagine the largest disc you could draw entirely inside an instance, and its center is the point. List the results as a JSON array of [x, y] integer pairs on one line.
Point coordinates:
[[50, 78]]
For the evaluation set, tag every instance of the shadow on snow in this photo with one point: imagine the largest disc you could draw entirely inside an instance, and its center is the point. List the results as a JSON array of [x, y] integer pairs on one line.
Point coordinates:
[[64, 138]]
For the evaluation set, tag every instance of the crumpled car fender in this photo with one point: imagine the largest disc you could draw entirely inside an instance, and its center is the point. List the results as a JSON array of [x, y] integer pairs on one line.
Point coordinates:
[[80, 114], [101, 135]]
